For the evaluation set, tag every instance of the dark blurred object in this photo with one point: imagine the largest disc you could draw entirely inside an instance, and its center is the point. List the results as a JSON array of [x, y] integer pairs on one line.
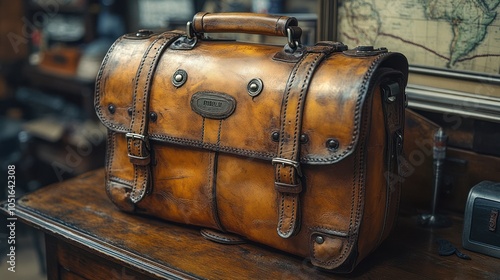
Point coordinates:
[[14, 42], [40, 103], [60, 60], [9, 144], [481, 222], [110, 25], [73, 90], [267, 6], [417, 166], [487, 138]]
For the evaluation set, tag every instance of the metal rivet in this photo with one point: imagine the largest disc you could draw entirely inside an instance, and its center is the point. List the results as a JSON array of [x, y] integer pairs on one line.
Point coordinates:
[[319, 239], [255, 87], [332, 144], [179, 78], [275, 136], [304, 138], [129, 111], [143, 33], [153, 116], [111, 108], [364, 48]]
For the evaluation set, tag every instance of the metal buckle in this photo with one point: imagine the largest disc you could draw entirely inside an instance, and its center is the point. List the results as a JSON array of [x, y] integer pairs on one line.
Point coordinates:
[[144, 139], [284, 161]]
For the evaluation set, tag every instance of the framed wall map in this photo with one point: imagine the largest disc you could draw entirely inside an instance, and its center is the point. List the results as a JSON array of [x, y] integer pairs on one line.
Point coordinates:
[[453, 47]]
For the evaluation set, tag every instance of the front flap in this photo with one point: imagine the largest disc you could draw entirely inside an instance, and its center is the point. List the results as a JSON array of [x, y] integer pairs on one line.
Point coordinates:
[[227, 96]]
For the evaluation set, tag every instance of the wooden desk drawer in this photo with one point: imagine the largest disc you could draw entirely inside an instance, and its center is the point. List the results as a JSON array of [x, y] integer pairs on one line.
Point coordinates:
[[68, 262]]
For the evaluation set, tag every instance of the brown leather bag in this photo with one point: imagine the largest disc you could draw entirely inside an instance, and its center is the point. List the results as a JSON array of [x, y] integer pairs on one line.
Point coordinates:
[[296, 148]]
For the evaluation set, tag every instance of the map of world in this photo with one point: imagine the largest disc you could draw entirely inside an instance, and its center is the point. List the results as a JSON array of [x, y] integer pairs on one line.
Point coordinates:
[[453, 34]]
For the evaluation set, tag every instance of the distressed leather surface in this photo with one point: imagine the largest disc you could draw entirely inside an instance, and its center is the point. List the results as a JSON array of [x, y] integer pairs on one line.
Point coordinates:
[[218, 173]]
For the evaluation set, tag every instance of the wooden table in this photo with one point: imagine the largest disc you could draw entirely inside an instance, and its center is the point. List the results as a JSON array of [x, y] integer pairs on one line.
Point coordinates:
[[88, 238]]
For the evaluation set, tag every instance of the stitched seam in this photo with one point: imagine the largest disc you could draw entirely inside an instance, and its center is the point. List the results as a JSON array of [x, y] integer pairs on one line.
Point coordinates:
[[97, 100], [360, 181], [305, 85], [200, 144], [282, 143], [134, 193], [202, 129], [361, 95], [145, 104], [121, 181], [110, 149], [285, 108], [218, 136], [136, 85]]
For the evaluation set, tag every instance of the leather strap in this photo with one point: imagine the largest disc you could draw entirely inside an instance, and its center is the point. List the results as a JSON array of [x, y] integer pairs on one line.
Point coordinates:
[[139, 150], [287, 165], [393, 108]]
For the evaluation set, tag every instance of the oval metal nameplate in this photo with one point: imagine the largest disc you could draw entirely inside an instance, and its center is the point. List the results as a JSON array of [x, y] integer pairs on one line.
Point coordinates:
[[213, 105]]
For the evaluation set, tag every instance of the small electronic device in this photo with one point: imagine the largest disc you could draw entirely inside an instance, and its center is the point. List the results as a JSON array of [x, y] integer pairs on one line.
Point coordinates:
[[481, 222]]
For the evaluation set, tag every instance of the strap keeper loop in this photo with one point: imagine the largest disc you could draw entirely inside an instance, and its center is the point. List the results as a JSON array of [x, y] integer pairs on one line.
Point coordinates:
[[288, 188], [139, 159]]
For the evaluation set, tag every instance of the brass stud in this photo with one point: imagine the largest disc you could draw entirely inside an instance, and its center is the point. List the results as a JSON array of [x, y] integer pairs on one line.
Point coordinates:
[[129, 111]]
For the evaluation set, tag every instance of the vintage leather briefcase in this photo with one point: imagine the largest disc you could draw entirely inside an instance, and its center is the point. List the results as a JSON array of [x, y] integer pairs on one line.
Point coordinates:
[[293, 147]]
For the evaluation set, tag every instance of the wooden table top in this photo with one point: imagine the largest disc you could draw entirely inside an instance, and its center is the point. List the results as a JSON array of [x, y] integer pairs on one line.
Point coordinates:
[[78, 211]]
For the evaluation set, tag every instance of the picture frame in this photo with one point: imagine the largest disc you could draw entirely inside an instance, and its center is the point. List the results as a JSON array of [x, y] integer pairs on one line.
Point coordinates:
[[443, 90]]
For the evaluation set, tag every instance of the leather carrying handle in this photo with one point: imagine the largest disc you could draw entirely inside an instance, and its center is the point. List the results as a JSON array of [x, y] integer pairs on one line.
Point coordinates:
[[250, 23]]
